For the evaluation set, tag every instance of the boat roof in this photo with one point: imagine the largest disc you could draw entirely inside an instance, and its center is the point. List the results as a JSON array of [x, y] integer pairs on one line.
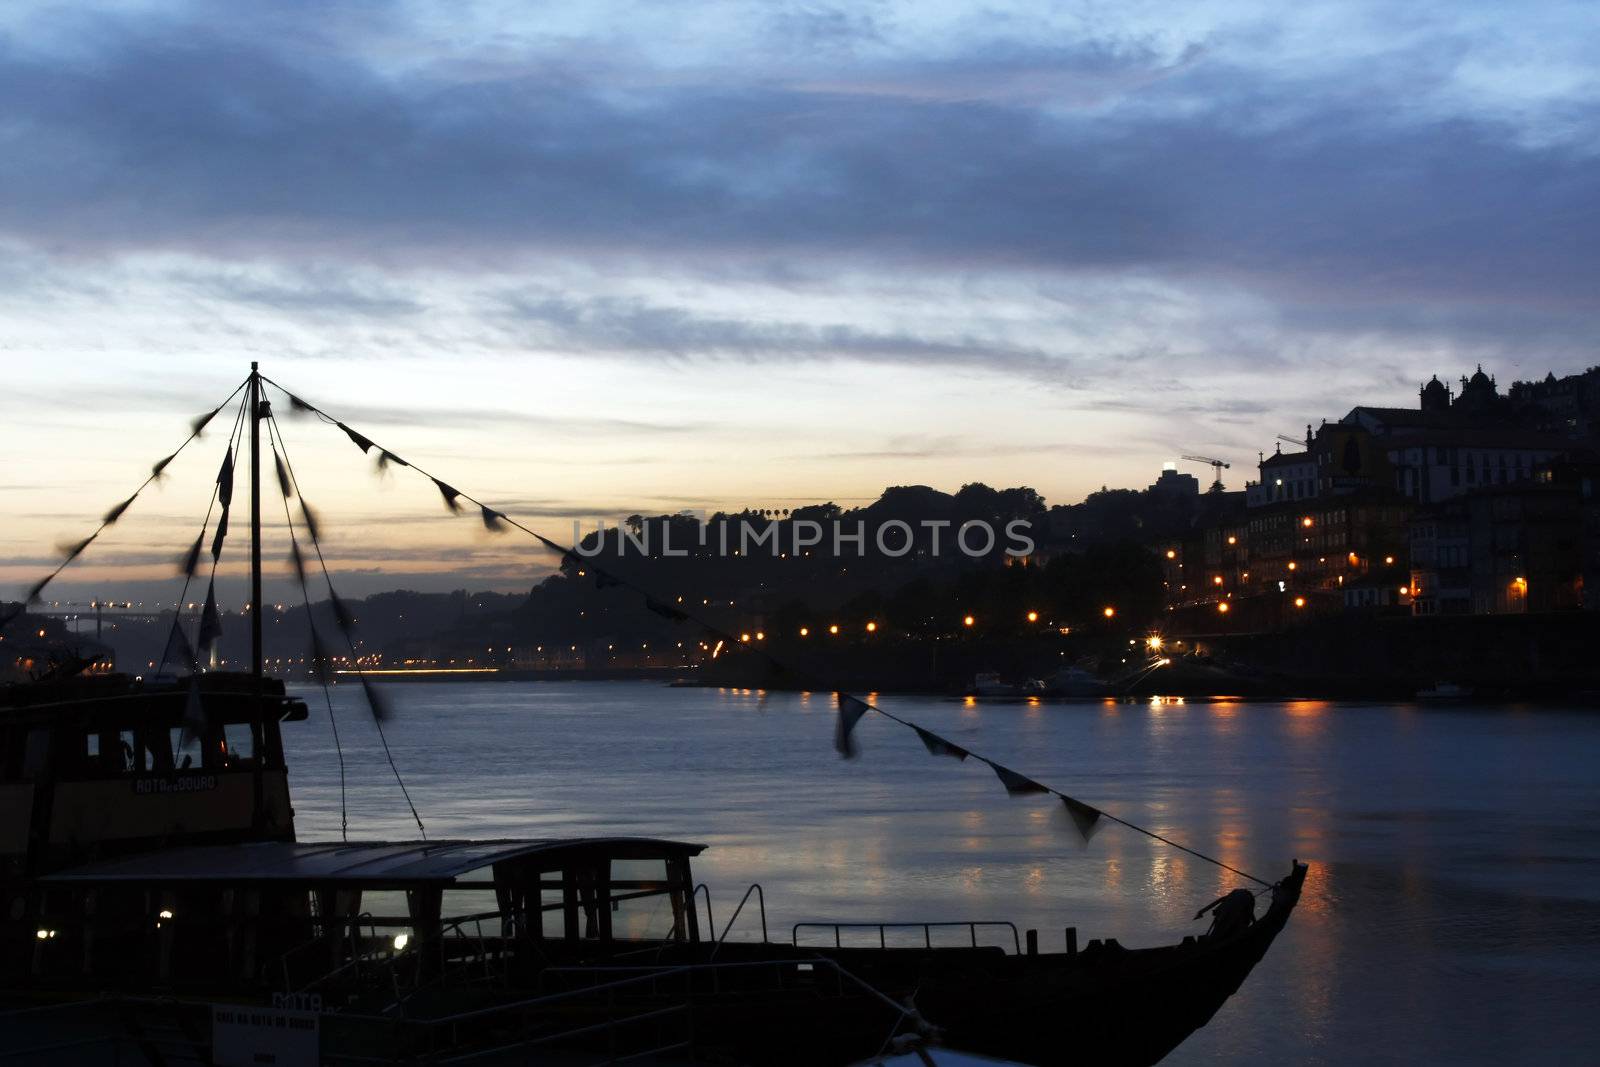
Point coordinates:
[[348, 863]]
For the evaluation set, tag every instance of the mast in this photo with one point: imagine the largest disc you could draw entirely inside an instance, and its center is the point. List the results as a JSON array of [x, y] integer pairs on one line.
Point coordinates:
[[255, 525]]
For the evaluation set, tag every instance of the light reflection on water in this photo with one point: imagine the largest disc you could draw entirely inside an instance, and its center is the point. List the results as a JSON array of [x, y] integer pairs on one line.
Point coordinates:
[[1452, 912]]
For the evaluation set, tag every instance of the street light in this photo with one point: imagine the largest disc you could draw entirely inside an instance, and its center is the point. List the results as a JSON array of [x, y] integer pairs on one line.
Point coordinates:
[[1033, 616], [968, 620], [1110, 611]]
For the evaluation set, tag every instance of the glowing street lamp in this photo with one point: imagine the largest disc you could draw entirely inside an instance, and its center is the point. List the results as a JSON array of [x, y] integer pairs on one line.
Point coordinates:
[[1110, 611], [1033, 616], [834, 628], [968, 620], [805, 631], [872, 627], [1154, 642], [1222, 607], [1299, 601]]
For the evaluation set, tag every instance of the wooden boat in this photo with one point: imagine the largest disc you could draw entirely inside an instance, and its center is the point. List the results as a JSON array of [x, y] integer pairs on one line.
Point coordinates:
[[157, 899]]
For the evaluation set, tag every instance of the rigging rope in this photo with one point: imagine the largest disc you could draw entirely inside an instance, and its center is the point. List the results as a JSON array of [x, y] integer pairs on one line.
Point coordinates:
[[234, 436], [1084, 814], [197, 427], [377, 718], [286, 487]]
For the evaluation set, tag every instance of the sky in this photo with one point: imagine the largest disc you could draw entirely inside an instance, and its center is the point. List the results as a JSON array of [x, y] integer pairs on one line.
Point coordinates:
[[594, 259]]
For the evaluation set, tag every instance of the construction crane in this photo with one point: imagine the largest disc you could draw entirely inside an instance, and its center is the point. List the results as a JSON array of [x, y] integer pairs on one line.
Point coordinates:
[[1217, 466]]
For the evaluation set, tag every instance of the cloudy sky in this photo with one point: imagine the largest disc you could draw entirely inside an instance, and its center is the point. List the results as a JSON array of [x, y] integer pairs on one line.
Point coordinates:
[[605, 257]]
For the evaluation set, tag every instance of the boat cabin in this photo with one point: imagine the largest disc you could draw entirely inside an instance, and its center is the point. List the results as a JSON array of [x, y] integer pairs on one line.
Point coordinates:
[[94, 766], [292, 915]]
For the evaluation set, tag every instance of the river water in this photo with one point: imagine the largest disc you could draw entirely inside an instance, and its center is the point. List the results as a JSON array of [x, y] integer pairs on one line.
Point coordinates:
[[1452, 913]]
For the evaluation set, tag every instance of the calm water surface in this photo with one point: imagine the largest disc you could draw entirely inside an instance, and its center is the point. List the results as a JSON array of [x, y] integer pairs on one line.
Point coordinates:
[[1452, 913]]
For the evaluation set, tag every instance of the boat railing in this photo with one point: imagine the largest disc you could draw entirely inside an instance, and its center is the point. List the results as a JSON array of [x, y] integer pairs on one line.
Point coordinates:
[[926, 928], [761, 901], [711, 924]]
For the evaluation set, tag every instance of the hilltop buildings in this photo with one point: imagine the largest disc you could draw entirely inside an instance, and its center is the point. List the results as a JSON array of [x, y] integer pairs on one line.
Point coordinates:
[[1473, 502]]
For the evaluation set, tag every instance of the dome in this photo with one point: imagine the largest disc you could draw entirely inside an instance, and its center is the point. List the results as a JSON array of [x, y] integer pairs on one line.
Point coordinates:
[[1480, 378]]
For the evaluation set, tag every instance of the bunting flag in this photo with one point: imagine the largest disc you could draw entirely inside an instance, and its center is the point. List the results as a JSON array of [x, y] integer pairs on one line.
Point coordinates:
[[450, 493], [1085, 818], [178, 651], [1016, 784], [116, 513], [375, 700], [34, 593], [225, 480], [298, 406], [210, 623], [283, 475], [299, 563], [493, 521], [221, 536], [72, 551], [197, 426], [666, 611], [191, 559], [850, 712], [938, 746], [363, 443], [161, 465], [385, 458], [309, 517]]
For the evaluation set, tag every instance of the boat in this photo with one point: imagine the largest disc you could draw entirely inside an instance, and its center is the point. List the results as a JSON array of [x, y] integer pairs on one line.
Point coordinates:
[[160, 906], [1076, 682]]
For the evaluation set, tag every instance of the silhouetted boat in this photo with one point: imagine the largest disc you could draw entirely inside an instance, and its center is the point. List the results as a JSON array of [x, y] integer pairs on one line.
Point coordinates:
[[158, 904]]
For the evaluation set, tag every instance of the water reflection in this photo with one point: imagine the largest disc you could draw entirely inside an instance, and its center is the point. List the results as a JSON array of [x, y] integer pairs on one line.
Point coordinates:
[[1452, 852]]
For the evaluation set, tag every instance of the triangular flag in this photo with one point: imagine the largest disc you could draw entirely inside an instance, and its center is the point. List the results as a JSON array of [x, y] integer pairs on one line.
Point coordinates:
[[299, 406], [197, 426], [385, 457], [309, 517], [161, 465], [299, 562], [850, 712], [38, 588], [178, 652], [116, 513], [1016, 784], [225, 480], [938, 746], [191, 559], [361, 442], [1085, 818], [73, 551], [221, 536], [449, 492], [493, 521], [283, 475], [210, 622]]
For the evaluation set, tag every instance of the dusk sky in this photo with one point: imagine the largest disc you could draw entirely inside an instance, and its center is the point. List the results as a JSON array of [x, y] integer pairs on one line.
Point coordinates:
[[598, 258]]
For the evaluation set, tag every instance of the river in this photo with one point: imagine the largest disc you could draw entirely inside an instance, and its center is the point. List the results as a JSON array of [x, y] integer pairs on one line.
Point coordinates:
[[1452, 913]]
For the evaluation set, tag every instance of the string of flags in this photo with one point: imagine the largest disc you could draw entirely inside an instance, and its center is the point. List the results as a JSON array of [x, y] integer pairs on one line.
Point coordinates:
[[377, 703], [73, 550], [1086, 818]]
